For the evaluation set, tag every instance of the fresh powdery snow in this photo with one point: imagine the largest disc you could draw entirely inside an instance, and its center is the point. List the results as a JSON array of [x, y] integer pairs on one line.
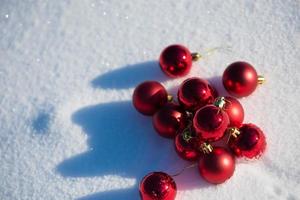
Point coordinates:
[[68, 129]]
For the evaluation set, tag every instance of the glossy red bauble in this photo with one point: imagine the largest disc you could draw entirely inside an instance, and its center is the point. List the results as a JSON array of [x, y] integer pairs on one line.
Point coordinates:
[[240, 79], [175, 60], [186, 146], [210, 123], [158, 186], [170, 120], [149, 96], [217, 166], [249, 143], [195, 93], [235, 111]]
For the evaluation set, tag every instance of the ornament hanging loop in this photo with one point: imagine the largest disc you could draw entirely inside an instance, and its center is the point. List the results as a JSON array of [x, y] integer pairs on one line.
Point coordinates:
[[185, 168], [197, 56]]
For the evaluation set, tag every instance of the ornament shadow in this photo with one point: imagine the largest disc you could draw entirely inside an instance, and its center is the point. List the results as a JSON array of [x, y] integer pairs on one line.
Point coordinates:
[[41, 123], [126, 194], [122, 142], [129, 76], [217, 83]]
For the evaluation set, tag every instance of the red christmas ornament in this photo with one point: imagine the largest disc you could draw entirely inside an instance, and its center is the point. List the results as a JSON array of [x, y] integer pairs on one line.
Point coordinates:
[[186, 145], [210, 122], [240, 79], [170, 120], [195, 93], [158, 186], [234, 110], [247, 141], [176, 60], [149, 96], [217, 166]]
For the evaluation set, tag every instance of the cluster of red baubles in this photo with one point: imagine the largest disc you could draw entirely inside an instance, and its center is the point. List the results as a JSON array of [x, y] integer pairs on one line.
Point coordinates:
[[199, 119]]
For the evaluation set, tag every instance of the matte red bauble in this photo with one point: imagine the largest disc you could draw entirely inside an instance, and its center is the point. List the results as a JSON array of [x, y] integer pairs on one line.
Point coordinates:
[[170, 120], [175, 60], [235, 111], [149, 96], [249, 141], [210, 123], [217, 166], [240, 79], [186, 145], [195, 93], [158, 186]]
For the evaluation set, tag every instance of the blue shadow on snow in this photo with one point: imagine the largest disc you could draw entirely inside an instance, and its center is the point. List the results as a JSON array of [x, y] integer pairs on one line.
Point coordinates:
[[41, 123], [130, 76], [122, 142]]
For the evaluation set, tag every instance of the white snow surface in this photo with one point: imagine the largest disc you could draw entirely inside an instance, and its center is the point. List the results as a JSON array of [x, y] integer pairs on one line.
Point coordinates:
[[68, 129]]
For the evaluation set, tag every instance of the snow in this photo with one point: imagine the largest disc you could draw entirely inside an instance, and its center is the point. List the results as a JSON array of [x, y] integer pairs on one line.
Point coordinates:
[[67, 72]]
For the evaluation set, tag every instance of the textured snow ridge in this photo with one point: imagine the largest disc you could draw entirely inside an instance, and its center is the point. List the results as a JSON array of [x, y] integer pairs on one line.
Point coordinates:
[[67, 70]]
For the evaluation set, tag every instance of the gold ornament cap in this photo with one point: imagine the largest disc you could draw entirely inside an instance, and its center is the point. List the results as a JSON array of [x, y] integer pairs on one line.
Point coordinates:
[[170, 98], [260, 79], [220, 102], [233, 132], [206, 148], [195, 56]]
